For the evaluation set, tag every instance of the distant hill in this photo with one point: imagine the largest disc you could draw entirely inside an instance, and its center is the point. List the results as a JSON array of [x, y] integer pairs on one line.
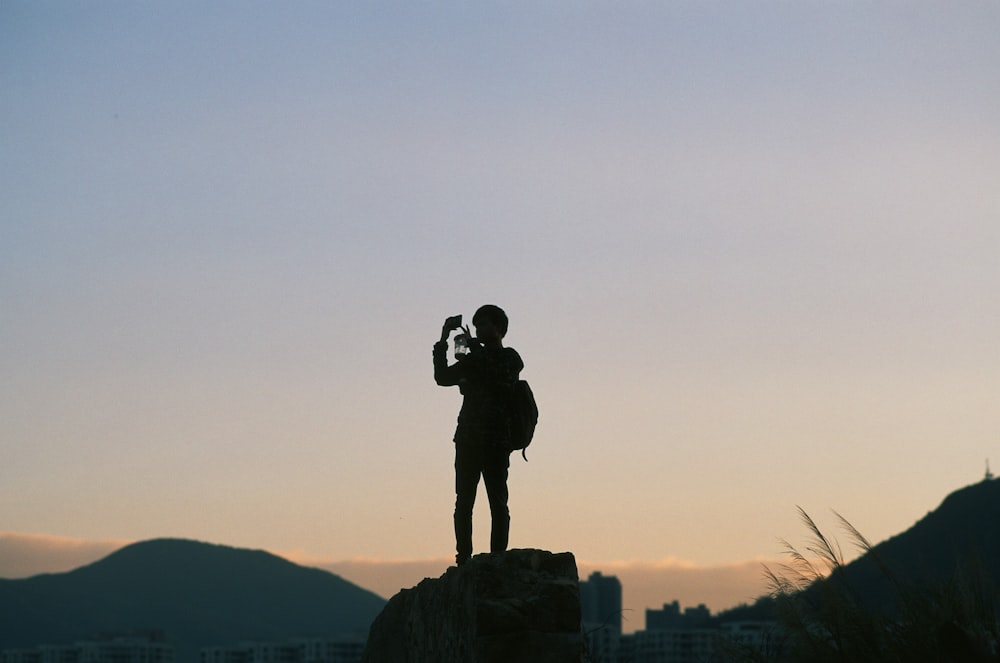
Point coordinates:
[[198, 593], [961, 536]]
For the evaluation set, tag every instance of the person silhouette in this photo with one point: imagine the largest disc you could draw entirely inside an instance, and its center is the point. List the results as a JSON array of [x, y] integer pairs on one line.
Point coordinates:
[[485, 376]]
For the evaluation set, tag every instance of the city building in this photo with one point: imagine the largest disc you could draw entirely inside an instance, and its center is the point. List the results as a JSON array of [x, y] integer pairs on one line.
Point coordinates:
[[672, 635], [673, 646], [601, 615], [345, 649], [671, 617], [706, 644], [136, 647], [601, 602]]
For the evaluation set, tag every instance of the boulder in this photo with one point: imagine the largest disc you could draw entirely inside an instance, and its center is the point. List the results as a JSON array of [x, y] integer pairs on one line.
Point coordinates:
[[512, 607]]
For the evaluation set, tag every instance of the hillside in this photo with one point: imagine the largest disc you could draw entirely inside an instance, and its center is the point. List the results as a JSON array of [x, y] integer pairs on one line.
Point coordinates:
[[199, 594], [961, 536]]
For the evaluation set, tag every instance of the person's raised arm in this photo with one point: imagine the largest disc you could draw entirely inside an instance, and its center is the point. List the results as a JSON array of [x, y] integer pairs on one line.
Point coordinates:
[[445, 375]]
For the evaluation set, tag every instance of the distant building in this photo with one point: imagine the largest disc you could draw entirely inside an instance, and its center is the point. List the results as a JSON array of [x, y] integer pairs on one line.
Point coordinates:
[[688, 636], [21, 656], [671, 617], [601, 602], [346, 649], [751, 634], [137, 647], [673, 646], [601, 615]]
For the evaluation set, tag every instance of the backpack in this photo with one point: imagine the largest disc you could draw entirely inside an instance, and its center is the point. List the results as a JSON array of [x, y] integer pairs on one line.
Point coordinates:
[[524, 417]]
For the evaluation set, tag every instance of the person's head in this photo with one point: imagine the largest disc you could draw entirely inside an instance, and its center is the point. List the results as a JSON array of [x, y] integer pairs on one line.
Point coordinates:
[[490, 322]]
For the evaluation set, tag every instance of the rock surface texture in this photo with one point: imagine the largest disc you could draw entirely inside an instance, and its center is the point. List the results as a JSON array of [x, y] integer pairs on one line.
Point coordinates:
[[521, 606]]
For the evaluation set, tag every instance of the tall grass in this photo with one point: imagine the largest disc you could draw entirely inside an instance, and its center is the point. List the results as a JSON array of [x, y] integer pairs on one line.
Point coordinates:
[[824, 617]]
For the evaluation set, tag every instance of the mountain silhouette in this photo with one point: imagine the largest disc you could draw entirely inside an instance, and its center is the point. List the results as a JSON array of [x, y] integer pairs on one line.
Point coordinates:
[[961, 538], [199, 594]]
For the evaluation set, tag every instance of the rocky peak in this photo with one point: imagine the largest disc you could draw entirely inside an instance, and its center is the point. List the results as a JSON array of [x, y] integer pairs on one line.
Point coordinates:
[[521, 605]]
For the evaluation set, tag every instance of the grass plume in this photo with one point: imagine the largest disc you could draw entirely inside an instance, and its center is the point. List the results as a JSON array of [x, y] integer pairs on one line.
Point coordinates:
[[825, 617]]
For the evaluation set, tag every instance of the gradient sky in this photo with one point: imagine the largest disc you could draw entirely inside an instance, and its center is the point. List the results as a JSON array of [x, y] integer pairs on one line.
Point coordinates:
[[750, 252]]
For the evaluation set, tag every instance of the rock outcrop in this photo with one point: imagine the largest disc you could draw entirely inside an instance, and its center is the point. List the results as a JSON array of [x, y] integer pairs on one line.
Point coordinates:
[[521, 606]]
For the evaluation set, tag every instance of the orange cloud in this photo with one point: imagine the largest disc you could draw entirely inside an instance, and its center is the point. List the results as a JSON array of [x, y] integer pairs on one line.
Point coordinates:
[[23, 555], [645, 584], [385, 577]]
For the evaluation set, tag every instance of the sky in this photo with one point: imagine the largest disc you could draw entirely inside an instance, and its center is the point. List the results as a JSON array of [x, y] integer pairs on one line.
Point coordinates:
[[748, 251]]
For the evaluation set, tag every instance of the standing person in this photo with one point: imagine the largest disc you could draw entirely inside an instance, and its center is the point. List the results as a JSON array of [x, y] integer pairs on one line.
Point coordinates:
[[486, 376]]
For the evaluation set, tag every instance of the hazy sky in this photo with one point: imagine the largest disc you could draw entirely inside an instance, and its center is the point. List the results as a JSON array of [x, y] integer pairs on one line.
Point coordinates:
[[750, 252]]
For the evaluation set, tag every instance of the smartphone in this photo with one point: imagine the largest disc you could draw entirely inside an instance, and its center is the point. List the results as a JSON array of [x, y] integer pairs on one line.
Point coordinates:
[[454, 322]]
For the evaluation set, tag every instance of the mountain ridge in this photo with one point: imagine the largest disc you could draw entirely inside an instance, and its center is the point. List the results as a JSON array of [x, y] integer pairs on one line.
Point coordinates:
[[203, 594], [200, 594], [961, 536]]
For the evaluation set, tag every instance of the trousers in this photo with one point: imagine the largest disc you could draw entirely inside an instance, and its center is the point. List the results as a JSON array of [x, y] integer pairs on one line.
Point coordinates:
[[475, 458]]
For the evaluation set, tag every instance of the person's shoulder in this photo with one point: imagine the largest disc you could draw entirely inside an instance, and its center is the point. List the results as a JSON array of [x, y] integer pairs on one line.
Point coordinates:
[[513, 356]]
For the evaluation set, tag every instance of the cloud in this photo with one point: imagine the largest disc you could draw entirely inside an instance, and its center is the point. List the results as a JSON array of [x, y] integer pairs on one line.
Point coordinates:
[[385, 577], [645, 584], [23, 555]]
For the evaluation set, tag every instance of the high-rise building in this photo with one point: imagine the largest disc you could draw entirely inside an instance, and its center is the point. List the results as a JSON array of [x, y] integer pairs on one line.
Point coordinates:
[[601, 602]]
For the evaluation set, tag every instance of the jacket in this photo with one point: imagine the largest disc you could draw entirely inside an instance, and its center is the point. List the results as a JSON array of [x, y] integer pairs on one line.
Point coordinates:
[[486, 379]]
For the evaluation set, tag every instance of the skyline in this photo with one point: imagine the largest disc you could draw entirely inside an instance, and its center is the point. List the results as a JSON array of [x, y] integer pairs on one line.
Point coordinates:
[[748, 251], [646, 585]]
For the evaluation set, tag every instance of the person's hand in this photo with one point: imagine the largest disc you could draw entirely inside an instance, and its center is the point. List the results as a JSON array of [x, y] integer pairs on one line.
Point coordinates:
[[451, 323], [475, 345]]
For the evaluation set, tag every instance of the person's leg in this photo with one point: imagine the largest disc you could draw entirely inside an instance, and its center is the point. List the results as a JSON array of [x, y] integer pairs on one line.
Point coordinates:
[[468, 466], [495, 478]]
